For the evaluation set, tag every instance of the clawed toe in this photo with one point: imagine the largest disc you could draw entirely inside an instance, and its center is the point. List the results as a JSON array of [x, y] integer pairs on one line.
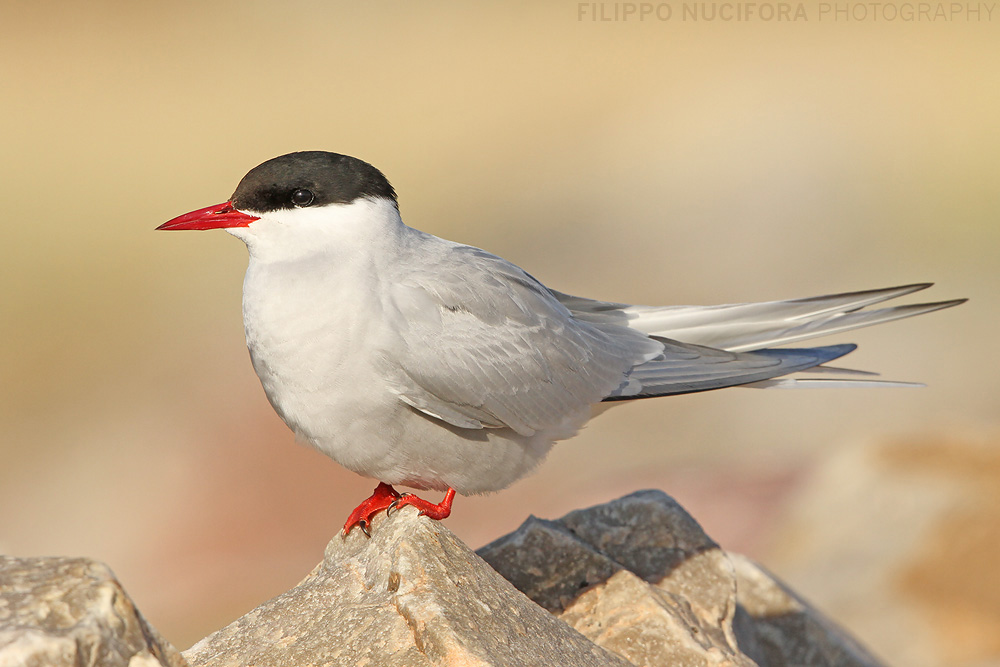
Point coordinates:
[[399, 502], [382, 497]]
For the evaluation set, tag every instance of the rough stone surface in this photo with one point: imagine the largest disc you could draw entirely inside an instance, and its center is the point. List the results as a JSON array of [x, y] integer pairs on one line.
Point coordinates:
[[639, 577], [411, 595], [72, 612]]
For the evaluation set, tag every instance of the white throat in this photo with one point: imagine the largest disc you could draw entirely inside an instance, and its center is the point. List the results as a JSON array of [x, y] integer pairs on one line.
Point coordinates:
[[332, 230]]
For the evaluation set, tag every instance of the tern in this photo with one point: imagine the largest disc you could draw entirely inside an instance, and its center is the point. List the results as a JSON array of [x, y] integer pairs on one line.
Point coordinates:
[[435, 365]]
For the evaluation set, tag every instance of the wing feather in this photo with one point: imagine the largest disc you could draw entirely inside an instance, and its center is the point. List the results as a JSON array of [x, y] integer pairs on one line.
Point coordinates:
[[482, 344], [685, 368]]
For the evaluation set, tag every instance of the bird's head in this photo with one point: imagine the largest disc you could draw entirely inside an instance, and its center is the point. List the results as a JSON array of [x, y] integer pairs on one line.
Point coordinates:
[[297, 198]]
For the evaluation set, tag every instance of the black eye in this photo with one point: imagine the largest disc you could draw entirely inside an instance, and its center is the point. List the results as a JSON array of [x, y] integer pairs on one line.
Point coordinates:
[[302, 197]]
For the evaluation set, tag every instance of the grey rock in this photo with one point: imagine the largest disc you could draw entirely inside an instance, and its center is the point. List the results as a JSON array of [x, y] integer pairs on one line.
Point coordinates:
[[653, 588], [639, 577], [72, 612], [411, 595]]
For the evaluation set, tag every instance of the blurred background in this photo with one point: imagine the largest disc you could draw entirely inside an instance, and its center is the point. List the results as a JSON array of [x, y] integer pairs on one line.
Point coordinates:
[[655, 161]]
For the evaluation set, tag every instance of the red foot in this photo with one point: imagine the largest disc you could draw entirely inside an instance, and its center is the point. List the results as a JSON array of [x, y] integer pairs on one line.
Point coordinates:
[[382, 498], [437, 512]]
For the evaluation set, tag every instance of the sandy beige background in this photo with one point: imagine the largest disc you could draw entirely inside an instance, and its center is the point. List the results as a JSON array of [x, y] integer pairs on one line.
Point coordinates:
[[651, 162]]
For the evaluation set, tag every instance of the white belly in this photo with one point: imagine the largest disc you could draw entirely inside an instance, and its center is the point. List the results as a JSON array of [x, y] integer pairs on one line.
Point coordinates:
[[353, 418], [315, 356]]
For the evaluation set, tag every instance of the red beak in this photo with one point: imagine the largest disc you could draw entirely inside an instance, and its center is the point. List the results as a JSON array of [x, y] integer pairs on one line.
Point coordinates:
[[211, 217]]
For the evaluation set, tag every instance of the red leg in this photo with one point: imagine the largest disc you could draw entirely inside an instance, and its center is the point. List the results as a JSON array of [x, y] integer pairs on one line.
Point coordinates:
[[439, 511], [382, 498]]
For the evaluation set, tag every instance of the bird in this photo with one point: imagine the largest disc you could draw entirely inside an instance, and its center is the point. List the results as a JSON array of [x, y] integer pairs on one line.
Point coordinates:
[[438, 366]]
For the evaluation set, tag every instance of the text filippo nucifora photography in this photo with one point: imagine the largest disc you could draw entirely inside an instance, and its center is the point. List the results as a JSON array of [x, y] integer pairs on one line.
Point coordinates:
[[788, 12]]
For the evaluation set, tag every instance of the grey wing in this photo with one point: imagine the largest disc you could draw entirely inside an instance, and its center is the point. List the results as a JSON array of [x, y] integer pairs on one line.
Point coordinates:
[[480, 343], [684, 368]]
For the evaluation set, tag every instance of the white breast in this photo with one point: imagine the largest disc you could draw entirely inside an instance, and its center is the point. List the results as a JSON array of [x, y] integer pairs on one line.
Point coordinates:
[[317, 317]]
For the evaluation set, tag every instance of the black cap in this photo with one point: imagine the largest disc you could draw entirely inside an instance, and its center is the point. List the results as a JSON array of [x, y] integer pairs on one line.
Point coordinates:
[[309, 178]]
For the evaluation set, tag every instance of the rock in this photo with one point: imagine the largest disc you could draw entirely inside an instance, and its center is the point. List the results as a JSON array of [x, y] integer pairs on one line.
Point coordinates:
[[72, 612], [640, 578], [632, 582], [411, 595]]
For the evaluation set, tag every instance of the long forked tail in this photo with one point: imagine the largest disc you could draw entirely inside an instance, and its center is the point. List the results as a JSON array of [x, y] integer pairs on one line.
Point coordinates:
[[755, 326], [760, 327]]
